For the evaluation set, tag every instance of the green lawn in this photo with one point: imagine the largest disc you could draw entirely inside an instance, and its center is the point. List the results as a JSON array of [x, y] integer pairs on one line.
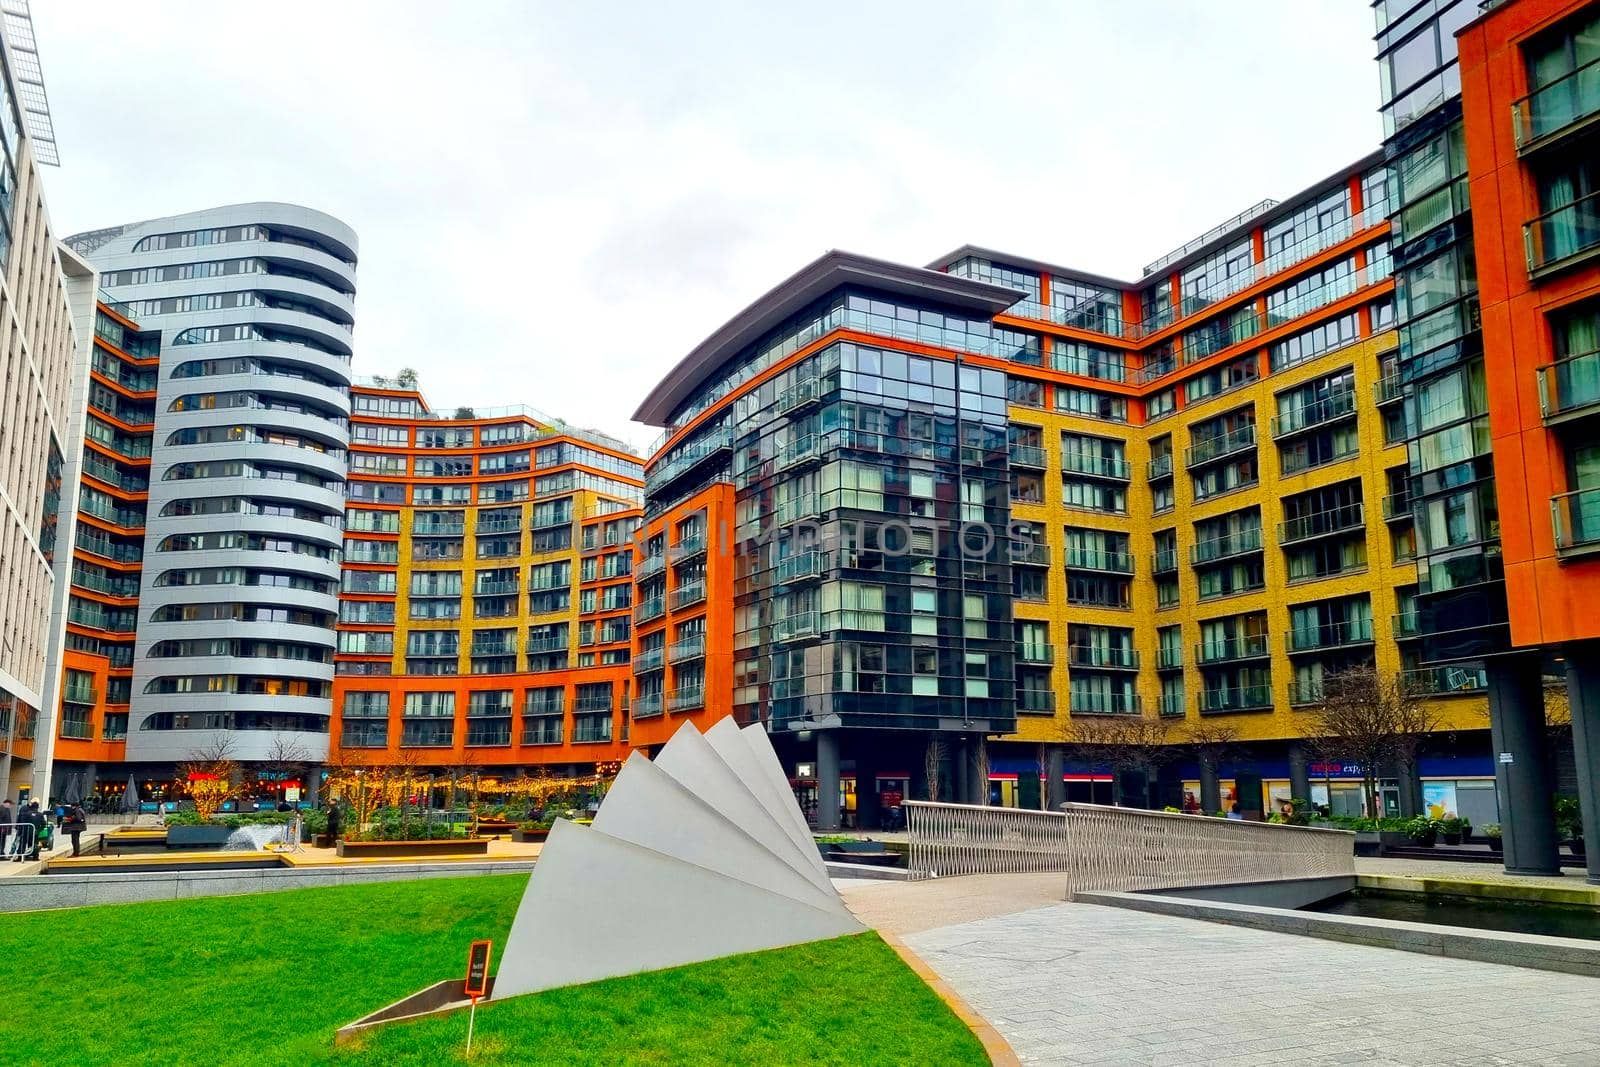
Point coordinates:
[[268, 978]]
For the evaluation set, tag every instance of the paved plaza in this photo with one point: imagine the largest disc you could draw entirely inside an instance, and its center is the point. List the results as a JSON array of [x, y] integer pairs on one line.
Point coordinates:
[[1081, 983]]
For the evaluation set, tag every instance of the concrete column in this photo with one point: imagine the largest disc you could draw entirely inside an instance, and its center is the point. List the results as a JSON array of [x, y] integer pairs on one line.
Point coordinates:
[[827, 780], [866, 789], [1299, 773], [1055, 788], [1525, 784], [1583, 694], [1210, 785]]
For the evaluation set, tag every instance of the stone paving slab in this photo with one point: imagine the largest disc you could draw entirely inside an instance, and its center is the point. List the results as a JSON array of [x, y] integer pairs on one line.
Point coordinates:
[[1569, 878], [1080, 984]]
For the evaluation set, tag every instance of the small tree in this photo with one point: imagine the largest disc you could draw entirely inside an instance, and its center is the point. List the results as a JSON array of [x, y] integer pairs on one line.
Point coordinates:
[[286, 756], [1211, 742], [407, 378], [932, 757], [464, 413], [1372, 719], [1123, 743], [209, 775]]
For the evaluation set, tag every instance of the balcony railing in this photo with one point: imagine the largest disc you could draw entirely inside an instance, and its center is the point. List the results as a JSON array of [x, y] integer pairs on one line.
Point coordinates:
[[1446, 681], [650, 565], [1576, 521], [1238, 698], [686, 698], [1321, 524], [796, 627], [689, 545], [1091, 703], [1232, 649], [1404, 624], [504, 587], [1160, 467], [494, 648], [1563, 236], [1570, 387], [1165, 561], [688, 457], [800, 451], [1103, 656], [800, 567], [79, 694], [801, 395], [1099, 559], [687, 649], [1027, 653], [591, 730], [1397, 506], [688, 594], [77, 729], [1330, 635], [796, 508], [649, 660], [647, 706], [1027, 456], [649, 610], [1221, 446], [1113, 467], [1238, 543], [500, 526], [1388, 390], [1169, 659], [1320, 412], [1303, 691], [1564, 104], [439, 529], [1036, 700], [1172, 704]]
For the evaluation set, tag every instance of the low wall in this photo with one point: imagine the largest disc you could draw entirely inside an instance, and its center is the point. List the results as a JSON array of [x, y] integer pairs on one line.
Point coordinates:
[[77, 890], [1296, 893], [1565, 954]]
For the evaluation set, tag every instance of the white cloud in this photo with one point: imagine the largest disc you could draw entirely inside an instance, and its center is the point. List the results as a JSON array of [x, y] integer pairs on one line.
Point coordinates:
[[556, 201]]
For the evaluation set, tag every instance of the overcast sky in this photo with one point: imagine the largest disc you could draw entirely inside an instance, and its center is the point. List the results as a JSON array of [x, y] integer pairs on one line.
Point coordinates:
[[557, 200]]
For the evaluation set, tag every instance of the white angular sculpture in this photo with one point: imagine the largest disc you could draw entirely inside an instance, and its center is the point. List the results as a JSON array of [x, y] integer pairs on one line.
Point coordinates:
[[692, 857]]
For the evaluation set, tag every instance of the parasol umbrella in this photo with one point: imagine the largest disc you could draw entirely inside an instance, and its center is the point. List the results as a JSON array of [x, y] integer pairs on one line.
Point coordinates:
[[130, 797]]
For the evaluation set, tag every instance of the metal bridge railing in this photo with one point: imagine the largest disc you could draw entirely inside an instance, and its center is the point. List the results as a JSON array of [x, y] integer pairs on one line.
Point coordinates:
[[1119, 849]]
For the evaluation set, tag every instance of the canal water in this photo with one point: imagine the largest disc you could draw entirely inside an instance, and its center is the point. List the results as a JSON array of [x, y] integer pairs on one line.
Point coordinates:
[[1555, 920]]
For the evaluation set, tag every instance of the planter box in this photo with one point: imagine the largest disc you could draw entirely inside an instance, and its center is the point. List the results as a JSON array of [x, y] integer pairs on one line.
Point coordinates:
[[470, 846], [1367, 842], [1451, 839], [1395, 839], [496, 826], [197, 836], [525, 837]]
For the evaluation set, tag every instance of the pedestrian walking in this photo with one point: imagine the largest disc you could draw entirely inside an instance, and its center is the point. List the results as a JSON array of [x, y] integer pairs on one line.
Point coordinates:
[[36, 819], [74, 823], [7, 817]]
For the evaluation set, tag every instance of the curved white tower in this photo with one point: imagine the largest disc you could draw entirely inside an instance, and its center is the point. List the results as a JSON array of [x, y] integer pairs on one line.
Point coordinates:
[[239, 595]]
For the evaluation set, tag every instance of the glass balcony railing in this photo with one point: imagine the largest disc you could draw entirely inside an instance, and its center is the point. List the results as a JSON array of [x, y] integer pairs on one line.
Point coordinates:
[[1222, 445], [1330, 635], [1404, 624], [1171, 705], [1570, 386], [651, 609], [1576, 520], [1036, 700], [1388, 389], [1240, 698], [1446, 681], [1321, 524], [1099, 559], [798, 452], [1304, 691], [800, 567], [687, 648], [1169, 659], [1397, 506], [1096, 466], [1106, 703], [800, 396], [1027, 456], [1319, 412], [690, 593], [78, 694], [1165, 561], [1229, 649], [1036, 654], [77, 729], [648, 566], [686, 698], [796, 627], [1564, 235], [1557, 107], [1160, 467], [647, 706], [649, 660], [1103, 656], [1238, 543]]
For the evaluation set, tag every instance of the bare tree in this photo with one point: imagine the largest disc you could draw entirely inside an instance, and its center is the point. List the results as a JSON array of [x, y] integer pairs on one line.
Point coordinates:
[[285, 757], [211, 774], [1044, 776], [980, 769], [1372, 719], [931, 759], [1211, 742], [1122, 742]]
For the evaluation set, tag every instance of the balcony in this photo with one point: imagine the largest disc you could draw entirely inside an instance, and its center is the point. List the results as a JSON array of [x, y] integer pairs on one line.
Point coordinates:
[[1027, 456], [512, 524], [1388, 390], [1405, 624], [687, 457], [689, 648], [650, 610], [1165, 562], [1564, 237], [438, 529], [649, 660], [1446, 681], [1159, 468], [791, 511], [1036, 701], [1104, 703], [1099, 559], [1575, 518], [649, 567], [1238, 543], [1240, 698], [1318, 636], [591, 730], [1569, 388], [799, 452], [1327, 523], [1221, 446], [1304, 691], [76, 729], [1103, 657], [647, 706], [1233, 649], [686, 698], [690, 545], [1169, 659], [801, 626], [1397, 506], [505, 587], [541, 731], [494, 648], [1552, 112], [1320, 412], [79, 694], [688, 594], [547, 643], [804, 394], [800, 568], [1112, 467], [1171, 705], [1035, 654]]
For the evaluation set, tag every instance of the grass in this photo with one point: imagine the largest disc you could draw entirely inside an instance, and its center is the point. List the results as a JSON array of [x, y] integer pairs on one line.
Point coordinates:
[[268, 978]]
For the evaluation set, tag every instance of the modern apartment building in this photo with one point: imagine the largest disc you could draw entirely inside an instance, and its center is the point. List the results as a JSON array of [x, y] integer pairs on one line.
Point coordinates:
[[991, 497], [238, 593], [486, 601], [45, 296], [1530, 96]]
